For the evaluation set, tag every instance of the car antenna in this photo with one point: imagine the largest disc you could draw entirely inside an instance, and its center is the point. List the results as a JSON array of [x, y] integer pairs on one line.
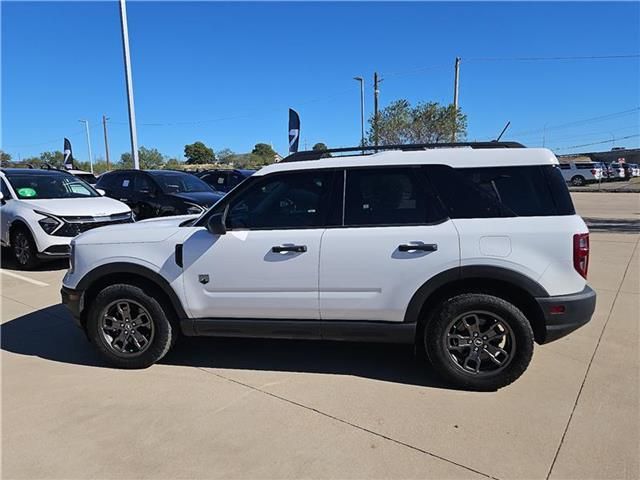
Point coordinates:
[[502, 132]]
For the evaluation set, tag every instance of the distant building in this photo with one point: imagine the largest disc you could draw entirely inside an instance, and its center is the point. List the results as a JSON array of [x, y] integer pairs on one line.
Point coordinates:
[[628, 155]]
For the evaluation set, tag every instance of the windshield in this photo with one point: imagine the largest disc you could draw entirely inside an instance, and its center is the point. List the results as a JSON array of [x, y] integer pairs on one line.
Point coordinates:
[[33, 187], [176, 182]]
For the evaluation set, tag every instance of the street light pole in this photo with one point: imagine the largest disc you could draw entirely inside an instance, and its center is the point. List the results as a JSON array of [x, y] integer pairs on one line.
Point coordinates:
[[376, 92], [361, 80], [127, 73], [455, 99], [86, 126]]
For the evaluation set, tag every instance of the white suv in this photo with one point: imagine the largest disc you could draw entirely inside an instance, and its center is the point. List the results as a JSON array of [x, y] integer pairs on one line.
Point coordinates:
[[471, 252], [42, 210]]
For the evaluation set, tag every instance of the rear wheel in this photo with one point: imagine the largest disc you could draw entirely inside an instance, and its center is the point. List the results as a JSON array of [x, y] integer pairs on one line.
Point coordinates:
[[130, 328], [24, 248], [578, 181], [478, 341]]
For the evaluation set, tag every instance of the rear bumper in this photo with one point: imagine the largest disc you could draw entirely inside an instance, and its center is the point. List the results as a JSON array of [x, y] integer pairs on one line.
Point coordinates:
[[73, 300], [565, 313]]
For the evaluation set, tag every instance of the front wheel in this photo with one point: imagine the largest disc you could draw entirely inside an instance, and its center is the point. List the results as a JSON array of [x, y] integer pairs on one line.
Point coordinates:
[[24, 248], [478, 341], [130, 328]]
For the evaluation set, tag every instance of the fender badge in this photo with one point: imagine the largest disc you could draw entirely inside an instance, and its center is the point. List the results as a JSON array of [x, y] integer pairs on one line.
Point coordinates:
[[203, 279]]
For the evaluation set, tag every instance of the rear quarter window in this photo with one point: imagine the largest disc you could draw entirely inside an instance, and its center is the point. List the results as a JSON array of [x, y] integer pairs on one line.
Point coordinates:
[[491, 192]]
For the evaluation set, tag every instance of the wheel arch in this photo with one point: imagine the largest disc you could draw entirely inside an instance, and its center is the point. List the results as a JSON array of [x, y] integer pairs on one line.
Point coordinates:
[[500, 282], [133, 274]]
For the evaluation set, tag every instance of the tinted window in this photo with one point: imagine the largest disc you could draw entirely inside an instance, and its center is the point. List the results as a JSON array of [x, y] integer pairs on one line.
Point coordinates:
[[107, 180], [502, 191], [5, 190], [389, 196], [55, 185], [142, 183], [291, 200], [177, 182]]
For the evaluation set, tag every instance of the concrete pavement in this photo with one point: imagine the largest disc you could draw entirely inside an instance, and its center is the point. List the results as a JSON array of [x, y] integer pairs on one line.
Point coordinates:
[[219, 408]]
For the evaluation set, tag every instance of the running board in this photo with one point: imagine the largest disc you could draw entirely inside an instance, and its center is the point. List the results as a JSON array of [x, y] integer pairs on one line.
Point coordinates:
[[350, 331]]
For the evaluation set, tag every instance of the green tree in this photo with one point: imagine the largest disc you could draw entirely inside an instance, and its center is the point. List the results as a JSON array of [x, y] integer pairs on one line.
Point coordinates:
[[225, 156], [319, 147], [55, 158], [264, 151], [400, 123], [198, 153], [174, 164], [149, 158], [5, 158]]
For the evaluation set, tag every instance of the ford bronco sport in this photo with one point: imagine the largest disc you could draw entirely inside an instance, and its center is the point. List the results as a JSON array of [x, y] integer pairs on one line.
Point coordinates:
[[471, 252]]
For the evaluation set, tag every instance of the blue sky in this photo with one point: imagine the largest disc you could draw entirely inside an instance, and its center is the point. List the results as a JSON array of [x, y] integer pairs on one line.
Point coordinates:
[[226, 73]]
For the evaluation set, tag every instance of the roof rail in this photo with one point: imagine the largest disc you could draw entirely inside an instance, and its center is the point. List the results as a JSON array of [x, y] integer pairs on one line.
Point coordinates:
[[369, 150]]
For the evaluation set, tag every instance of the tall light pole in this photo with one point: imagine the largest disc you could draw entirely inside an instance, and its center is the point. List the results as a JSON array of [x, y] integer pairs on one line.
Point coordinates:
[[106, 139], [361, 80], [455, 97], [127, 73], [376, 93], [86, 126]]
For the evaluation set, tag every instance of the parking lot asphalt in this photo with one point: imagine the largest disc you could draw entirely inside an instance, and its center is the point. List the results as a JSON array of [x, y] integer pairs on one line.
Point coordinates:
[[290, 409]]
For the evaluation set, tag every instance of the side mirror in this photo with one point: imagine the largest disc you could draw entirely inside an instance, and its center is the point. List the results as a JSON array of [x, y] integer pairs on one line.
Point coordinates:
[[215, 224], [101, 191]]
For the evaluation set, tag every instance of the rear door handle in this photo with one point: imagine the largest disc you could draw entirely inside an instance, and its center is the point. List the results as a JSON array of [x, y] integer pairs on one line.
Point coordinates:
[[289, 248], [418, 247], [124, 199]]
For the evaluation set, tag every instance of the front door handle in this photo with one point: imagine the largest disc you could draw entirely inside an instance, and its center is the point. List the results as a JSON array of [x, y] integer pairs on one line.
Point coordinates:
[[418, 247], [289, 248]]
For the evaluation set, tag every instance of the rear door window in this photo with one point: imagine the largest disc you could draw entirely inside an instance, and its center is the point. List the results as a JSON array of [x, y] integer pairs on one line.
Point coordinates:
[[389, 196], [502, 191]]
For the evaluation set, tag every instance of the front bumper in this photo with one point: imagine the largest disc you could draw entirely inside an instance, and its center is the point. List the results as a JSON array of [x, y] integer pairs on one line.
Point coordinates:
[[565, 313], [73, 300]]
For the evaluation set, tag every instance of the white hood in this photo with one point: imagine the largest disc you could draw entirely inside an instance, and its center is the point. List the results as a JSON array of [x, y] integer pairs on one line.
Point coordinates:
[[78, 207], [145, 231]]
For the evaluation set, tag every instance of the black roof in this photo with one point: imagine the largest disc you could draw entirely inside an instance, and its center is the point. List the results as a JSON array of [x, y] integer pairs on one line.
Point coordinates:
[[34, 171], [370, 150]]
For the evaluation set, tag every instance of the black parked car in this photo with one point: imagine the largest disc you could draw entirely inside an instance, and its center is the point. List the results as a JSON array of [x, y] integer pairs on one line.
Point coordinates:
[[158, 193], [224, 180]]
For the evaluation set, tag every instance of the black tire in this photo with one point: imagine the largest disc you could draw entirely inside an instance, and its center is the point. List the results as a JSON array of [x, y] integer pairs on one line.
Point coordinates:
[[578, 181], [447, 349], [163, 330], [23, 248]]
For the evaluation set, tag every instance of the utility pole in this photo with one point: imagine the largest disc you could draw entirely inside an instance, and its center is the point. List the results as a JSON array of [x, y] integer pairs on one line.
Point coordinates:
[[129, 81], [86, 126], [455, 98], [376, 92], [361, 80], [106, 140]]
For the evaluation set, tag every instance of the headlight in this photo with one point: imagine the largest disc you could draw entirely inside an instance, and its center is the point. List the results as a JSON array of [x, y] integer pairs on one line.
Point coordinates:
[[194, 209], [49, 223]]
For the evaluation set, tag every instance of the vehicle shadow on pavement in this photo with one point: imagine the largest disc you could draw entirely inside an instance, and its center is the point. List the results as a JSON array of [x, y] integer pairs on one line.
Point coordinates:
[[387, 362], [8, 262], [50, 334]]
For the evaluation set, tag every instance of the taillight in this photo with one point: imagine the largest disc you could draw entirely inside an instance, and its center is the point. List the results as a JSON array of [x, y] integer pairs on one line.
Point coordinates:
[[581, 253], [593, 172]]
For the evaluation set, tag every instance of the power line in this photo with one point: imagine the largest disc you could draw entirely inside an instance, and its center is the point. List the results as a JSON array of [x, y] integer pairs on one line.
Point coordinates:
[[599, 143], [256, 114], [584, 121], [50, 142], [537, 59]]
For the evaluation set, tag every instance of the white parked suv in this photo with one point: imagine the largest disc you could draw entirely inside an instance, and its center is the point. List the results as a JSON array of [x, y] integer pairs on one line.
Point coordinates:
[[581, 173], [42, 210], [469, 251]]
